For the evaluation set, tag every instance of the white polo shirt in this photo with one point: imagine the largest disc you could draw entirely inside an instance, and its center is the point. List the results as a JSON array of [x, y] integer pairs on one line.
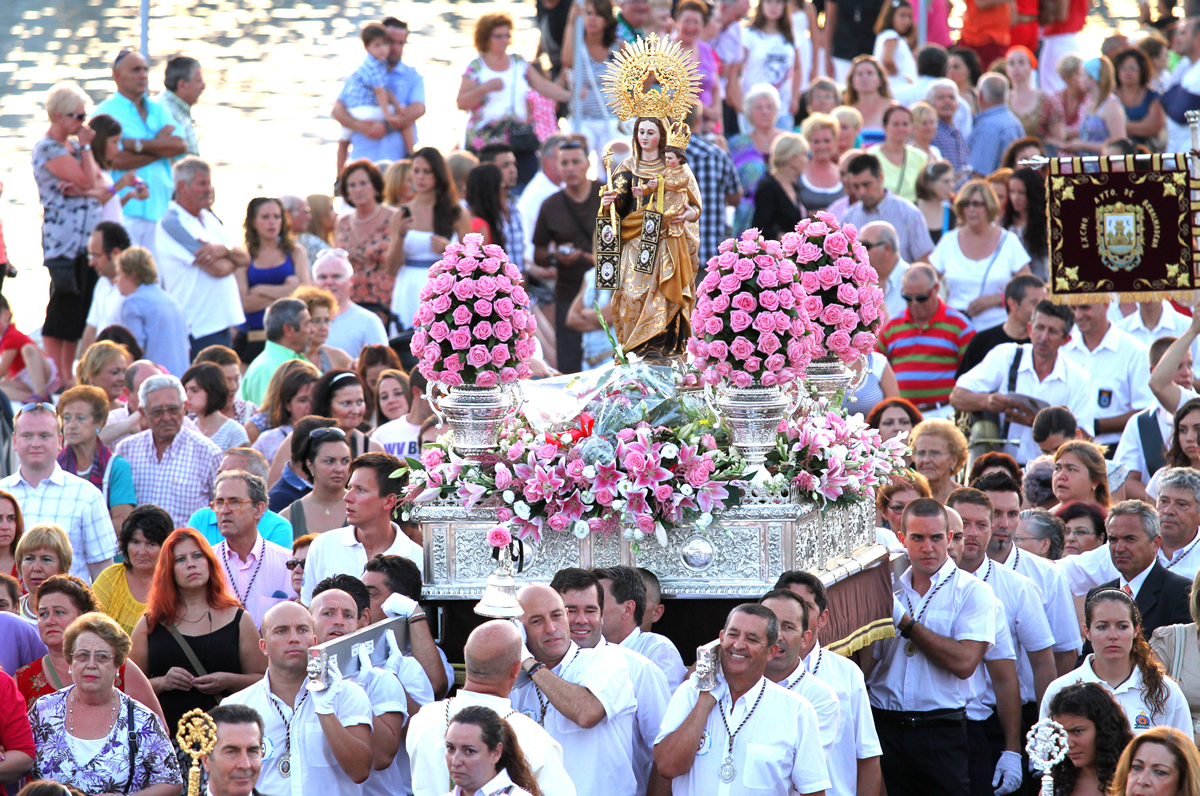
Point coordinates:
[[662, 652], [1089, 569], [962, 609], [1056, 596], [652, 694], [386, 696], [211, 303], [314, 768], [106, 305], [599, 760], [857, 739], [426, 745], [339, 552], [1130, 453], [1024, 617], [1129, 694], [1066, 385], [1172, 323], [1120, 371], [982, 702], [775, 753], [824, 702]]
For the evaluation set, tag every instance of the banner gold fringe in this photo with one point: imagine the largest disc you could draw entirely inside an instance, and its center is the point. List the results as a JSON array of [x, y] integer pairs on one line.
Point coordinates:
[[1106, 298], [878, 630]]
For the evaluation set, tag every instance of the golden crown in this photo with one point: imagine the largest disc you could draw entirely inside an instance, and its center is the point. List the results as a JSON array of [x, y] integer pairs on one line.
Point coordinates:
[[678, 134], [652, 78]]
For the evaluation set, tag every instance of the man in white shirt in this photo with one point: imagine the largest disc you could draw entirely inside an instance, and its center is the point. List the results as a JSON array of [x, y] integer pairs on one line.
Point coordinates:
[[395, 582], [1144, 442], [371, 495], [48, 494], [1053, 592], [352, 327], [584, 698], [105, 245], [584, 599], [760, 739], [787, 670], [315, 741], [493, 661], [920, 680], [1156, 319], [1041, 374], [197, 258], [235, 762], [1118, 365], [625, 596], [854, 761], [257, 569], [545, 183]]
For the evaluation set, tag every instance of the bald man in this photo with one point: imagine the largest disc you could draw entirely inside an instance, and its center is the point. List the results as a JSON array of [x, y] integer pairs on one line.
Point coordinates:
[[352, 327], [493, 661], [315, 742], [583, 697]]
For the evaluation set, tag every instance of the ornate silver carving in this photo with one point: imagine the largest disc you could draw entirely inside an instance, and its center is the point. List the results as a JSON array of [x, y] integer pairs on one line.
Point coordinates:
[[475, 415], [697, 554], [753, 415], [829, 378]]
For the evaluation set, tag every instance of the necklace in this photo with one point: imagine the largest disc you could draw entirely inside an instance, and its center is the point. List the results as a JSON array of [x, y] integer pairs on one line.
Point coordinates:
[[543, 702], [1181, 554], [71, 712], [284, 766], [796, 682], [49, 669], [820, 656], [728, 770], [910, 649], [354, 218], [225, 558]]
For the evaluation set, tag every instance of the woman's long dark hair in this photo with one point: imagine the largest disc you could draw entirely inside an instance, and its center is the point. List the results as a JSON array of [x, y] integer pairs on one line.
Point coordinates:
[[1154, 687], [483, 197], [445, 204], [604, 9], [784, 23], [496, 731], [1175, 456], [1092, 702], [328, 386], [1035, 215]]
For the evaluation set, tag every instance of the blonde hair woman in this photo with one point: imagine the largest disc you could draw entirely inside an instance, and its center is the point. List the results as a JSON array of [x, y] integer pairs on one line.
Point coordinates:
[[850, 123], [777, 207], [396, 190], [1103, 116], [924, 127], [103, 365], [821, 182]]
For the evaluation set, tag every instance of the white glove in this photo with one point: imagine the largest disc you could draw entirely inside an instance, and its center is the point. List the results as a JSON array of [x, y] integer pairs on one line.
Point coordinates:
[[366, 669], [898, 610], [719, 691], [525, 653], [399, 605], [1008, 773], [395, 659], [324, 700]]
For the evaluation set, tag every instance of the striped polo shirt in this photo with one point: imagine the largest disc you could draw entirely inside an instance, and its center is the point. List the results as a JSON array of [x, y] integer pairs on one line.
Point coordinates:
[[925, 357]]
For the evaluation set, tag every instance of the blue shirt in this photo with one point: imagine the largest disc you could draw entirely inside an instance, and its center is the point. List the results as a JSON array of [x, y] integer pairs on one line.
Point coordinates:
[[994, 129], [157, 323], [156, 174], [287, 490], [271, 527], [359, 89], [408, 87], [120, 483]]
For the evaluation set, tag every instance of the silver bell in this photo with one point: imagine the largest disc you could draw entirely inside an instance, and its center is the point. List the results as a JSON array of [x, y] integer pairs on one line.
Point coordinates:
[[499, 599]]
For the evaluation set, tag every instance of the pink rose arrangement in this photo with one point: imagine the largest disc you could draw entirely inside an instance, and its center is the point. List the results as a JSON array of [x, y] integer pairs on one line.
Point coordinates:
[[474, 325], [748, 325], [840, 289]]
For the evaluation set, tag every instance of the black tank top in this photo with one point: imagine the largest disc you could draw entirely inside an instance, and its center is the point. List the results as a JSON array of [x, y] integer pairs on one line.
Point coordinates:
[[217, 652]]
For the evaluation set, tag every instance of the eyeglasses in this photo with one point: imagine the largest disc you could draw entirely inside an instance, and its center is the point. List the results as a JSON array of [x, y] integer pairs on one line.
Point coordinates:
[[930, 454], [868, 245], [322, 433], [321, 321], [121, 57], [975, 203], [76, 116], [1025, 539], [162, 411], [86, 656], [921, 299], [295, 563], [233, 503], [1080, 532]]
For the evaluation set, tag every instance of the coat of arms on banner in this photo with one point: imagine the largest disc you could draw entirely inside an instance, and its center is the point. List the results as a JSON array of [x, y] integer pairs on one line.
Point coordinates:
[[1120, 235]]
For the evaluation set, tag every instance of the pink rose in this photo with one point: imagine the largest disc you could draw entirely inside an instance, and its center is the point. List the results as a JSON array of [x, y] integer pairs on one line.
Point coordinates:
[[845, 266], [802, 225], [439, 330], [524, 371], [502, 330], [798, 327], [847, 294], [709, 281], [786, 271], [828, 276], [508, 375], [768, 343], [485, 287], [743, 269], [720, 303], [727, 259], [512, 272], [787, 299], [747, 246], [836, 244], [865, 274], [818, 228], [423, 315], [767, 278], [499, 537], [826, 217], [726, 245], [524, 349], [769, 300], [863, 341], [831, 315], [869, 313], [504, 307], [504, 283], [713, 326], [486, 378], [783, 320], [768, 379], [808, 252], [745, 301], [500, 354], [460, 338], [465, 266], [752, 364], [849, 321], [462, 315], [741, 348], [482, 330], [790, 242], [483, 308], [478, 356], [739, 321], [546, 451], [419, 339], [810, 282], [724, 369], [443, 283], [663, 493], [441, 304], [764, 322], [795, 351], [635, 461], [838, 342], [453, 363], [741, 379], [520, 296], [718, 349], [773, 248], [452, 380], [558, 522], [729, 283], [645, 523], [775, 363], [812, 306], [490, 265], [699, 348], [464, 289]]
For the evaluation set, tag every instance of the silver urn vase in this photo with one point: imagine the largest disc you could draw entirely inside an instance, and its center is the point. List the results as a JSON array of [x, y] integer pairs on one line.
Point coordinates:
[[830, 378], [475, 415], [753, 414]]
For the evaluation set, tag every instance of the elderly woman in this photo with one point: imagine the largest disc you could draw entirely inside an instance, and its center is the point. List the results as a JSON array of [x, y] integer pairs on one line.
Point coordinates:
[[977, 259], [60, 601], [777, 207], [1040, 532], [322, 306], [83, 411], [12, 527], [1178, 647], [278, 265], [84, 733], [902, 162], [289, 398], [42, 552], [892, 498], [68, 182], [150, 313], [207, 393], [868, 93], [924, 128], [820, 182], [751, 151], [371, 234], [1083, 526], [940, 452], [495, 91], [484, 757], [123, 589], [1035, 488], [103, 365]]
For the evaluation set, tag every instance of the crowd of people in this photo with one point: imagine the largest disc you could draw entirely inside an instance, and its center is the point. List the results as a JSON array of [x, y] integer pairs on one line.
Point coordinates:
[[206, 433]]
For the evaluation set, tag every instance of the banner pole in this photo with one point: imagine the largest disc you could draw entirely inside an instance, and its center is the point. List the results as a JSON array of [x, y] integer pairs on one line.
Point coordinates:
[[1193, 120]]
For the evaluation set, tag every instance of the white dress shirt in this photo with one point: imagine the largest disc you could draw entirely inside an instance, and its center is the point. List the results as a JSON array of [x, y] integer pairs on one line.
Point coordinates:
[[650, 690], [386, 696], [1120, 371], [210, 303], [262, 580], [1025, 619], [982, 702], [1056, 596], [1129, 694], [662, 652], [340, 553], [1066, 385], [314, 768], [1089, 569], [857, 739], [599, 760], [775, 752], [76, 505], [962, 609], [824, 702], [499, 785], [426, 745], [1130, 454], [106, 305], [1172, 323]]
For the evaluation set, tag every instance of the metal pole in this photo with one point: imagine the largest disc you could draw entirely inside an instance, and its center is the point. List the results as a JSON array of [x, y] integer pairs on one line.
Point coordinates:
[[922, 22], [146, 30]]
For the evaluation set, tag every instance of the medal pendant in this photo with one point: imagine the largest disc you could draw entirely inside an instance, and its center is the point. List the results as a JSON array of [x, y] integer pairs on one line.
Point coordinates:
[[910, 649], [727, 771], [285, 765]]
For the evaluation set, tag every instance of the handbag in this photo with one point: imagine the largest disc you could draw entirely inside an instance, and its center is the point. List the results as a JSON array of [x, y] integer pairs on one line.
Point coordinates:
[[518, 135], [133, 745], [66, 274]]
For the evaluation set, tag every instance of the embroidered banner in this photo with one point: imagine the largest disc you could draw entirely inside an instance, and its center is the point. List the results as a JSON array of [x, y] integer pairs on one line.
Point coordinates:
[[1121, 225]]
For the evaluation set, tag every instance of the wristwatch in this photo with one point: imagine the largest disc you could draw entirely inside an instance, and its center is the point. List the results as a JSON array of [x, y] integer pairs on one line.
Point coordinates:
[[137, 146], [85, 147]]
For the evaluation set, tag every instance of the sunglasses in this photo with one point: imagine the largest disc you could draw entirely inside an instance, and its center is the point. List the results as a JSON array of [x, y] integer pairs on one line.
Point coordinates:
[[121, 57], [77, 116], [921, 299], [322, 433], [35, 406], [295, 563]]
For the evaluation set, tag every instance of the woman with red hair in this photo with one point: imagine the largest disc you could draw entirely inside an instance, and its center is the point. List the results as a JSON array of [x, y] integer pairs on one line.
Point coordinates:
[[192, 617]]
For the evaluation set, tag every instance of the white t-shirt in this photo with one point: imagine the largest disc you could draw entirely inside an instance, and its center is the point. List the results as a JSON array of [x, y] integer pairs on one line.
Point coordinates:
[[106, 305], [906, 65], [399, 437], [969, 279], [210, 303], [770, 59], [509, 101]]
